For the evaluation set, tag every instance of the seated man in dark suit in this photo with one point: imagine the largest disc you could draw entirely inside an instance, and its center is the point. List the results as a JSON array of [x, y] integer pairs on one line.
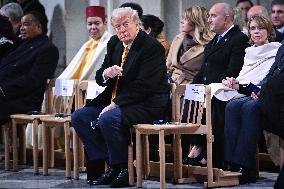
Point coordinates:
[[24, 72], [134, 73], [272, 104], [223, 57]]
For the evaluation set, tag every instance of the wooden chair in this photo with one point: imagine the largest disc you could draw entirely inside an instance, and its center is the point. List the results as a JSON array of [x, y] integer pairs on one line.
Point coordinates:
[[23, 120], [6, 130], [81, 102], [266, 157], [212, 177], [64, 104]]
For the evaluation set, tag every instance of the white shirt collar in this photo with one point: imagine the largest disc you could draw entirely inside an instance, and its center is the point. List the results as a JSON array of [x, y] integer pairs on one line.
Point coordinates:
[[128, 46], [281, 29], [223, 34]]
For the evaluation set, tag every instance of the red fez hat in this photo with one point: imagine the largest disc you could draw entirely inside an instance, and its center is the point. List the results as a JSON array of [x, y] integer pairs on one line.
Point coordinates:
[[92, 11]]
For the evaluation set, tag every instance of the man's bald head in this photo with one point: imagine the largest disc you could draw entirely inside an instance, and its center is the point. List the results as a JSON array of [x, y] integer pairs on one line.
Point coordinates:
[[220, 17], [257, 9]]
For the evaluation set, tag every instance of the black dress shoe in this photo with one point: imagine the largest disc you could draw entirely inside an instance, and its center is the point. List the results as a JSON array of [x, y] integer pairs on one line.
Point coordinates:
[[248, 175], [233, 167], [107, 177], [122, 180], [95, 169]]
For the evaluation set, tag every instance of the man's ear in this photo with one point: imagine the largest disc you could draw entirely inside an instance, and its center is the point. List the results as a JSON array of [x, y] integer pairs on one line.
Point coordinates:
[[148, 31], [39, 27]]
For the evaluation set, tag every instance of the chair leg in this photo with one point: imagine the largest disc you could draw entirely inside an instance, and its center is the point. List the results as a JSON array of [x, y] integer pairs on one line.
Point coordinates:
[[146, 161], [22, 146], [35, 146], [162, 159], [82, 166], [15, 149], [52, 146], [7, 146], [67, 150], [138, 159], [76, 154], [209, 161], [44, 149], [130, 164], [177, 150]]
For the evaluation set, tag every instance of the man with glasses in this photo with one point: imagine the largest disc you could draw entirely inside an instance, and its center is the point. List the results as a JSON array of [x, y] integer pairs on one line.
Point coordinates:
[[134, 74]]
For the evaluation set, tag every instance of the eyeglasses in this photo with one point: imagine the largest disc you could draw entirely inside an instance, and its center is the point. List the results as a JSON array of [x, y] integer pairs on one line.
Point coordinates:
[[124, 24]]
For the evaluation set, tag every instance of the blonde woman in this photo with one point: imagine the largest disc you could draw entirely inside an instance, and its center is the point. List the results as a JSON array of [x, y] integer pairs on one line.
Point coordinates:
[[186, 52]]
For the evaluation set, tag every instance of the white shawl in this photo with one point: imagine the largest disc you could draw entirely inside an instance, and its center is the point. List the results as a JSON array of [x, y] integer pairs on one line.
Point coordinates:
[[90, 72], [257, 62]]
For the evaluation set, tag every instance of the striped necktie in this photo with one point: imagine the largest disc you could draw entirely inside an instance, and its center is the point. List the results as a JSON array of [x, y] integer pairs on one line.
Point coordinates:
[[123, 58]]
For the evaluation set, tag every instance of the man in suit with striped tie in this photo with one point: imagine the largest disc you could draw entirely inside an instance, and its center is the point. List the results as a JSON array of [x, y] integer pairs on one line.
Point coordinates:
[[134, 73]]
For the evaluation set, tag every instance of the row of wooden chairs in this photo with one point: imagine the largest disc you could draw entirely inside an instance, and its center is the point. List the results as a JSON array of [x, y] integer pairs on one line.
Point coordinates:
[[199, 103], [53, 105], [198, 98], [213, 177]]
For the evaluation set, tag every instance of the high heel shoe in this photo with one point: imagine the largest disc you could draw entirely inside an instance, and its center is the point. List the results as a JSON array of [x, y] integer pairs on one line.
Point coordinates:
[[195, 161]]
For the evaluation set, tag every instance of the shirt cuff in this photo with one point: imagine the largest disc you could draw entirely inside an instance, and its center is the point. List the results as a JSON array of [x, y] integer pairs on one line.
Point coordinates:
[[104, 78], [2, 92]]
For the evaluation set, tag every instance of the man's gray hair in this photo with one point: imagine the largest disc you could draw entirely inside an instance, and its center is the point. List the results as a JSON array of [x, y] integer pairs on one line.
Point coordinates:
[[13, 11], [228, 10], [125, 12]]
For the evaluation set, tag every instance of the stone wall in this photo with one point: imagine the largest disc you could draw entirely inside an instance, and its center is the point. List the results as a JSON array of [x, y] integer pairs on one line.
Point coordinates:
[[67, 25]]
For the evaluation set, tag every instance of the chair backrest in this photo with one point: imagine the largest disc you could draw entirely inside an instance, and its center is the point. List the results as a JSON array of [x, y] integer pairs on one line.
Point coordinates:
[[48, 97], [64, 104], [87, 90], [81, 94], [189, 102]]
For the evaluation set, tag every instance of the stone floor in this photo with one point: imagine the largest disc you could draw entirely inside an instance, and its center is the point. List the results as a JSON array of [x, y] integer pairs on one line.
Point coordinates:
[[56, 179]]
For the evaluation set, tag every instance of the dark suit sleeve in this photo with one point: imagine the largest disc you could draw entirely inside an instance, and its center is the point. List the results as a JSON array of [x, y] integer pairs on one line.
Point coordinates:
[[237, 57], [152, 69], [107, 63], [43, 68]]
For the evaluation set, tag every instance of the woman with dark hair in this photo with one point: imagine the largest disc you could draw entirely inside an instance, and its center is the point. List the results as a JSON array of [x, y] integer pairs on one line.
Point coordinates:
[[7, 36], [153, 26]]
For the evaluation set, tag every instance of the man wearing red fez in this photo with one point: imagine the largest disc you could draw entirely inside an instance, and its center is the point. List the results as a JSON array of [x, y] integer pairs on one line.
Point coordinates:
[[91, 55]]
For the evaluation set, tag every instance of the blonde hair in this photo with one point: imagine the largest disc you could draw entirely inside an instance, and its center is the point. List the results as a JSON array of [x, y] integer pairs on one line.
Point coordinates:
[[239, 18], [198, 17], [264, 22], [125, 12]]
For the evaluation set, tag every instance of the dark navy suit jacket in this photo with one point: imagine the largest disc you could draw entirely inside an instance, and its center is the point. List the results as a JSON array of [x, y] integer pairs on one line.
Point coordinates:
[[24, 73], [143, 87], [272, 96]]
